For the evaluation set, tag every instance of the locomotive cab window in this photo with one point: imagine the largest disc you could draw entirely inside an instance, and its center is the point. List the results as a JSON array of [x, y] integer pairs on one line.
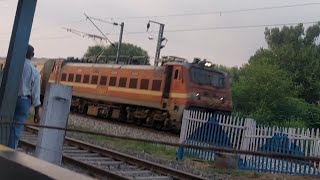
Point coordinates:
[[70, 77], [206, 77], [94, 79], [103, 80], [86, 79], [144, 84], [133, 83], [78, 78], [122, 82], [112, 81], [156, 85], [63, 77], [176, 74]]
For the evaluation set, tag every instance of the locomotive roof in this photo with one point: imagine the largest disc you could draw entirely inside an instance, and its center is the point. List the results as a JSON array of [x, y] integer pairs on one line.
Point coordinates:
[[116, 66], [125, 66], [122, 66]]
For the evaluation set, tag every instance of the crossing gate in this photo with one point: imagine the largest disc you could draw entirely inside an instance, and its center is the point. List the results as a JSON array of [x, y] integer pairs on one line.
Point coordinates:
[[206, 129]]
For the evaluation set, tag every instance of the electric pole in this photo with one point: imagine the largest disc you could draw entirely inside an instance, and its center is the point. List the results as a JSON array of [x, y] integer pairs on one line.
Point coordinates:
[[159, 43], [120, 41], [120, 37]]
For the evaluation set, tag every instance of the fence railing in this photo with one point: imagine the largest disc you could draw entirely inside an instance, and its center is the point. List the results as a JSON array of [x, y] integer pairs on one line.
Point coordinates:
[[206, 129]]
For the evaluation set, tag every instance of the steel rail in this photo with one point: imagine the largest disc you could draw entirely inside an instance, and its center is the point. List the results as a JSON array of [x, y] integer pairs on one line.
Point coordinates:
[[161, 169]]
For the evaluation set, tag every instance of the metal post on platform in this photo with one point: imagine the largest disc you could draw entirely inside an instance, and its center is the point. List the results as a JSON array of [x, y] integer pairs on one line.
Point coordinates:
[[55, 113], [14, 63]]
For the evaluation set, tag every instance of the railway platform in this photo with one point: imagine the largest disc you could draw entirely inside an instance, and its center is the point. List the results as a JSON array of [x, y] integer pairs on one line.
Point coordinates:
[[18, 165]]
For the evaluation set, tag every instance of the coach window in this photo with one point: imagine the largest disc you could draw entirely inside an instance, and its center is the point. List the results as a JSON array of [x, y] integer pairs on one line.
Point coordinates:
[[122, 82], [133, 83], [112, 81], [103, 80], [63, 77], [94, 79], [176, 74], [70, 77], [156, 85], [86, 79], [78, 78], [144, 84]]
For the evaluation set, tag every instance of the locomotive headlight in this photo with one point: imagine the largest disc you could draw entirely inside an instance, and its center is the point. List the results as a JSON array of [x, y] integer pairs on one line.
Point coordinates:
[[208, 64], [222, 100], [194, 95]]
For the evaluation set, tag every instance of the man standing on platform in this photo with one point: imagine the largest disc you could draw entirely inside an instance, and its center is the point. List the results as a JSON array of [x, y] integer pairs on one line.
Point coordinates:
[[29, 95]]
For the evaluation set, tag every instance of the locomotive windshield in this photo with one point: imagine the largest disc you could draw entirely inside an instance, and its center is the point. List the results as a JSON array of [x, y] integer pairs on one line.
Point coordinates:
[[207, 77]]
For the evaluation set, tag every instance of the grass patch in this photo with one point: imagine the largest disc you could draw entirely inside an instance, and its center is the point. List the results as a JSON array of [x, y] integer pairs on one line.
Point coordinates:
[[256, 175], [164, 152], [139, 147]]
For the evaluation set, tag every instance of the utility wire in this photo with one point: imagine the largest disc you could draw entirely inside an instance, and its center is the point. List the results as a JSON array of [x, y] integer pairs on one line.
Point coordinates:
[[99, 29], [83, 34], [182, 30], [220, 12], [225, 27], [105, 21]]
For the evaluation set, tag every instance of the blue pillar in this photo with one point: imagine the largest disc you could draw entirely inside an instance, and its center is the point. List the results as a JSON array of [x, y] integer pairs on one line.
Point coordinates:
[[180, 153], [14, 64]]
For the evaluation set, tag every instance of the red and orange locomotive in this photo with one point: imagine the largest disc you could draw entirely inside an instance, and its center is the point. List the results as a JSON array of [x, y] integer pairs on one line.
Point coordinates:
[[151, 95]]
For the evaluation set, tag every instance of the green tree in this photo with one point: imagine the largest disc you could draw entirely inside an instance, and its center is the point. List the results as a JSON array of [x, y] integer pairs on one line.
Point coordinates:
[[232, 72], [262, 92], [297, 52], [109, 53], [93, 51], [281, 84]]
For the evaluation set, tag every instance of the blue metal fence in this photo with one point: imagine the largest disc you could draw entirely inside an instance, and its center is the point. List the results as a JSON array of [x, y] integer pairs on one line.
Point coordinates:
[[301, 142], [205, 129]]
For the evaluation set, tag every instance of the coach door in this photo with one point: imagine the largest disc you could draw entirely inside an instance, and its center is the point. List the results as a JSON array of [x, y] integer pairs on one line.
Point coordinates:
[[167, 85]]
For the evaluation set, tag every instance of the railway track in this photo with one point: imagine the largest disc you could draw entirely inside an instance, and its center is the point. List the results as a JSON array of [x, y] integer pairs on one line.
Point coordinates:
[[106, 163]]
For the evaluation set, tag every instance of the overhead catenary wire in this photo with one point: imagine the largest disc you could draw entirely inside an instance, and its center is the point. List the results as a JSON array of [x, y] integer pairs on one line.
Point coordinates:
[[83, 34], [99, 29], [226, 27], [186, 29], [102, 20], [218, 12]]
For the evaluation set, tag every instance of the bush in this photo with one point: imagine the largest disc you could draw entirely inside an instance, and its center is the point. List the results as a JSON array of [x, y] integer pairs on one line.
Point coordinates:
[[292, 123]]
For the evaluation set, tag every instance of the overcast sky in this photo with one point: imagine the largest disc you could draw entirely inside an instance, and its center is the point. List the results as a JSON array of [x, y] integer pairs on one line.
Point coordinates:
[[231, 47]]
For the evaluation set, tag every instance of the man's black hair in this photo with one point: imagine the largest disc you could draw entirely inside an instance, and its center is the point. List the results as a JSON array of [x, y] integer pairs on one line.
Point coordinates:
[[30, 52]]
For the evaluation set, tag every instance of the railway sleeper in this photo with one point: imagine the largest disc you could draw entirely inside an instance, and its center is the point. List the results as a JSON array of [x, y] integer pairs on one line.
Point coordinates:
[[105, 163], [69, 148], [132, 173], [75, 151], [153, 178], [97, 161], [81, 154], [94, 159], [123, 166]]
